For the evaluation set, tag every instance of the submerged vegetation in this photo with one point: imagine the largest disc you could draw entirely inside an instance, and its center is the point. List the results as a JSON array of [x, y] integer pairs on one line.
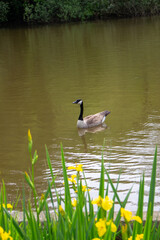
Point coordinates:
[[75, 217], [45, 11]]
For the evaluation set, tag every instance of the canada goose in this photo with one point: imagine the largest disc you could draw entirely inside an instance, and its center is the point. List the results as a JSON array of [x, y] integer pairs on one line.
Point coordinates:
[[92, 120]]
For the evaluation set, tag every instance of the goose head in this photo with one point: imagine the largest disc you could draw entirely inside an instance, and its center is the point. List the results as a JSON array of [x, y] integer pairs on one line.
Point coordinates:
[[78, 101]]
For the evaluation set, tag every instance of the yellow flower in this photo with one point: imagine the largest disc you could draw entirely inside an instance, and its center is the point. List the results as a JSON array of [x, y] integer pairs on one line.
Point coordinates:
[[42, 196], [4, 235], [107, 203], [71, 168], [61, 210], [29, 135], [97, 201], [1, 230], [84, 188], [138, 237], [126, 214], [137, 218], [101, 227], [8, 206], [95, 238], [78, 168], [72, 179], [124, 232], [124, 228], [74, 202], [113, 226]]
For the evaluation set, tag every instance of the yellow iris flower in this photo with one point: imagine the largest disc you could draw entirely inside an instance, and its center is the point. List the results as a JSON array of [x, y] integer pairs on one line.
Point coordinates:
[[128, 216], [4, 235], [8, 206], [78, 168], [105, 203], [124, 228], [101, 227], [138, 237], [72, 179], [74, 202], [61, 210], [113, 226], [97, 201]]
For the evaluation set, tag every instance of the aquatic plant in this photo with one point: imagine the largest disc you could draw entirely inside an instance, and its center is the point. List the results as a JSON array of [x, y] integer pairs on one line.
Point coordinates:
[[75, 217]]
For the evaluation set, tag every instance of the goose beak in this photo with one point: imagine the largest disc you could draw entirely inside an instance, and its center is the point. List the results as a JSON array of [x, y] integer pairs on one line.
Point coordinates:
[[75, 102]]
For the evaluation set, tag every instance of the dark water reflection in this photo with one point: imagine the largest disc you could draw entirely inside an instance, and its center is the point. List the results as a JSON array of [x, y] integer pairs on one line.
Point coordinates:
[[112, 65]]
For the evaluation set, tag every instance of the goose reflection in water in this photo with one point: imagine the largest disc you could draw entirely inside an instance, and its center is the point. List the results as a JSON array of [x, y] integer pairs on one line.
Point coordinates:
[[83, 131]]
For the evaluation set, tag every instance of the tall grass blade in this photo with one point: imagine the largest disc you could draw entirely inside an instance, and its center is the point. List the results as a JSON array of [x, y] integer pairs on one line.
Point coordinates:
[[153, 183], [24, 209], [5, 203], [140, 204], [51, 171], [49, 162], [111, 212], [68, 206], [101, 213], [113, 188], [148, 224], [101, 186]]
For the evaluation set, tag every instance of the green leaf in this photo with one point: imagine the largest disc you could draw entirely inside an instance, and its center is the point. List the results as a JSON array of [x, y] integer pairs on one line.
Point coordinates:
[[68, 206], [153, 183]]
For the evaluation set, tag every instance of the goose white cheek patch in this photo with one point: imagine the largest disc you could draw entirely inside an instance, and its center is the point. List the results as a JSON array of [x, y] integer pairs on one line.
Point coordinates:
[[80, 102]]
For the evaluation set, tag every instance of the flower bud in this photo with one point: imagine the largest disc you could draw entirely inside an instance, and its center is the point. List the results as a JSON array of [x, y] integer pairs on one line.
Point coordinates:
[[35, 158]]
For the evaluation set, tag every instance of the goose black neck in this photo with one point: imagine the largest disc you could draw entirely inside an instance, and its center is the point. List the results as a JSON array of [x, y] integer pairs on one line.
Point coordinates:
[[81, 112]]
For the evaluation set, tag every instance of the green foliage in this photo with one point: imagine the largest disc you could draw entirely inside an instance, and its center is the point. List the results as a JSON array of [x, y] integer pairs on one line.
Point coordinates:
[[76, 10], [133, 7], [4, 9], [39, 11], [45, 11], [62, 10]]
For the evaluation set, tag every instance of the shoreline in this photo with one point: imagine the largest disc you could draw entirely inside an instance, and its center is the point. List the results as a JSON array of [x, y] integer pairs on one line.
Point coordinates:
[[23, 24]]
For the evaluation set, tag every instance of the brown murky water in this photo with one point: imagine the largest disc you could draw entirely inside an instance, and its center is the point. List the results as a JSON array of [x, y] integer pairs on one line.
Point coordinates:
[[112, 65]]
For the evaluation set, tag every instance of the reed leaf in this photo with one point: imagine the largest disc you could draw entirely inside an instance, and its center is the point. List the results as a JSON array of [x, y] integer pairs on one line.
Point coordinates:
[[153, 183], [101, 185], [148, 223], [68, 206], [140, 204]]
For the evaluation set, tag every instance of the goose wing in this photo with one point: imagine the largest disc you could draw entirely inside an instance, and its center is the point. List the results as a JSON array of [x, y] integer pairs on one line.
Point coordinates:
[[94, 120]]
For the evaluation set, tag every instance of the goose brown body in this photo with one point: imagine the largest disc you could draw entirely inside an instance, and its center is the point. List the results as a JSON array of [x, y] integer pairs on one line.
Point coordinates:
[[91, 120]]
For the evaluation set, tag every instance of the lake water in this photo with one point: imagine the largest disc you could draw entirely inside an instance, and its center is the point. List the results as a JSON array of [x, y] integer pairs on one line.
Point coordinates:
[[112, 65]]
